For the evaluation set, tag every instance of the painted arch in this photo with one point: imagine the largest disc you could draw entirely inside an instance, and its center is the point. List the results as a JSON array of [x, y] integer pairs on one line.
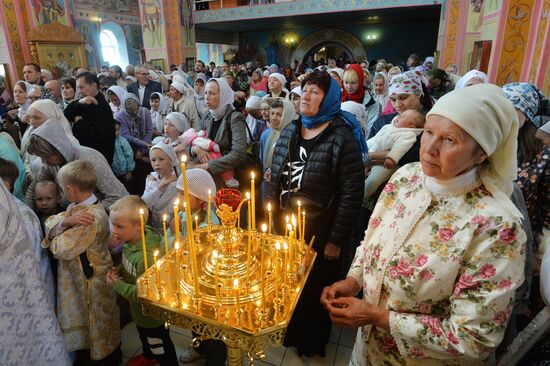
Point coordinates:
[[332, 36]]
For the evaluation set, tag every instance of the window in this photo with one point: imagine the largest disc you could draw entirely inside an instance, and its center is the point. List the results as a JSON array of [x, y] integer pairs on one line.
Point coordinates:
[[109, 47]]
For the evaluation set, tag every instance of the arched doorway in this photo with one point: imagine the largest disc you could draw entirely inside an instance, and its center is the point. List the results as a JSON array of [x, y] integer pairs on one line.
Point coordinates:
[[327, 50], [334, 40]]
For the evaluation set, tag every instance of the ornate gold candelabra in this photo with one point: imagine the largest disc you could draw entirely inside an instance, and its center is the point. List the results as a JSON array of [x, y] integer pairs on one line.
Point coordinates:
[[246, 286]]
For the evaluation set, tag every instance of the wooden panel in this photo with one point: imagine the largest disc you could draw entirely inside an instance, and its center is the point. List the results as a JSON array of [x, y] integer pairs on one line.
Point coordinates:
[[516, 35], [452, 33]]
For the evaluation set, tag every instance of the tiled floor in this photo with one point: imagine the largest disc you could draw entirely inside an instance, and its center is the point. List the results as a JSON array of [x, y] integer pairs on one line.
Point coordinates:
[[338, 350]]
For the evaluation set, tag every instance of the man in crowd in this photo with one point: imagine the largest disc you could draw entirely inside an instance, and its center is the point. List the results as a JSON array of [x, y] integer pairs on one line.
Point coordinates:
[[115, 72], [94, 125], [144, 86], [32, 74], [53, 87]]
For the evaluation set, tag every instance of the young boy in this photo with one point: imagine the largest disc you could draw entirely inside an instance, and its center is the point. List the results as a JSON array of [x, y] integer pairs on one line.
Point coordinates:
[[123, 160], [155, 338], [47, 199], [86, 306]]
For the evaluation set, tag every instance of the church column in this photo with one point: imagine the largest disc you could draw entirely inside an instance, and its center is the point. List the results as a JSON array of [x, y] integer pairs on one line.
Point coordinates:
[[15, 23], [168, 30]]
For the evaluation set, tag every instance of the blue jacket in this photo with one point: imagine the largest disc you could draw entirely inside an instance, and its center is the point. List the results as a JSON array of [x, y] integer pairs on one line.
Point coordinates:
[[123, 161]]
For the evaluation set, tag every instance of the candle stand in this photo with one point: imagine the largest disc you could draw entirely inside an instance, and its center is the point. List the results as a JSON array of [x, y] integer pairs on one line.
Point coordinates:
[[240, 300]]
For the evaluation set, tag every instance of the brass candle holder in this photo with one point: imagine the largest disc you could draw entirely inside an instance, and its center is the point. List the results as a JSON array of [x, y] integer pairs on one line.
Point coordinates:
[[247, 314]]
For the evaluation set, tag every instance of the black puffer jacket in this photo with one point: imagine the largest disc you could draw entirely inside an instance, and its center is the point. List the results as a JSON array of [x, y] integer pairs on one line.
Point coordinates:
[[332, 182]]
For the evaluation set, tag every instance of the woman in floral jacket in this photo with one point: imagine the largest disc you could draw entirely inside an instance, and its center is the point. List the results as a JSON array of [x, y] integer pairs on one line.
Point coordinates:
[[444, 250]]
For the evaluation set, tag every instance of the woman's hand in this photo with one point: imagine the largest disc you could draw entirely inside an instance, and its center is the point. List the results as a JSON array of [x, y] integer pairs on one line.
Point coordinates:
[[353, 313], [332, 252], [113, 277], [389, 163], [344, 288], [378, 157], [13, 113], [203, 155], [201, 166], [164, 182]]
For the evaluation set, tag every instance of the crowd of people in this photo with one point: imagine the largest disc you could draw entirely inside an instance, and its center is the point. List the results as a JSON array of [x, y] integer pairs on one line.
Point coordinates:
[[428, 194]]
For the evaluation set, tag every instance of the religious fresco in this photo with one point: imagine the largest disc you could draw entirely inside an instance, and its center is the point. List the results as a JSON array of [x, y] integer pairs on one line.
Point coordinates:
[[475, 16], [134, 43], [212, 52], [153, 23], [126, 7], [49, 11], [492, 6], [90, 32], [187, 22]]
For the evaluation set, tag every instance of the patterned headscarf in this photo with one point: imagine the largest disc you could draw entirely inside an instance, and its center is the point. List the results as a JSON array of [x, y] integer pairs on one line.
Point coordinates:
[[409, 82], [525, 97]]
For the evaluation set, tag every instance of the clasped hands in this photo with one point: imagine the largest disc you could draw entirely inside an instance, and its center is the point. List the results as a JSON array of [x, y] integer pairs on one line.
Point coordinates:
[[346, 310]]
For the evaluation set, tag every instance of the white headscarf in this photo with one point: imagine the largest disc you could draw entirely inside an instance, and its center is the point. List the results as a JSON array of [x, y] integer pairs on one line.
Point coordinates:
[[199, 182], [338, 71], [297, 90], [119, 91], [162, 105], [484, 112], [279, 77], [52, 111], [472, 74], [288, 115], [179, 120], [358, 110], [227, 98], [254, 102], [168, 150]]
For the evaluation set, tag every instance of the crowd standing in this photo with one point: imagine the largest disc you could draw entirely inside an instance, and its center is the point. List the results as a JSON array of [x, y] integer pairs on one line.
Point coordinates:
[[428, 194]]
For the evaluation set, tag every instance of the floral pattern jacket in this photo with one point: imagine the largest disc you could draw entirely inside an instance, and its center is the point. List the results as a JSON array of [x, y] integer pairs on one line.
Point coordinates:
[[446, 266]]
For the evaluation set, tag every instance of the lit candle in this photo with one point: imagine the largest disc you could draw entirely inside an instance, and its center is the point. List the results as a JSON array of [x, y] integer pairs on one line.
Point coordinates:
[[277, 249], [197, 223], [192, 249], [236, 288], [157, 270], [253, 197], [155, 255], [294, 245], [208, 209], [269, 218], [249, 251], [285, 263], [287, 220], [216, 277], [299, 220], [164, 218], [304, 227], [262, 265], [177, 263], [290, 247], [177, 219], [143, 246]]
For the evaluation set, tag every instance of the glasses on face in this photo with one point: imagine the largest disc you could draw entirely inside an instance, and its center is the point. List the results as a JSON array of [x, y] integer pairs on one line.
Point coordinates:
[[33, 98]]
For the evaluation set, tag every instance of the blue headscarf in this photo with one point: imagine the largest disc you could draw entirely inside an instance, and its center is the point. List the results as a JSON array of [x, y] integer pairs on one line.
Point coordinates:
[[331, 107]]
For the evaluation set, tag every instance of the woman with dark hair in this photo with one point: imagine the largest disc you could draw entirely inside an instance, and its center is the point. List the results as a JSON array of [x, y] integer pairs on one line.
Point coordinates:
[[317, 160], [68, 91], [439, 83]]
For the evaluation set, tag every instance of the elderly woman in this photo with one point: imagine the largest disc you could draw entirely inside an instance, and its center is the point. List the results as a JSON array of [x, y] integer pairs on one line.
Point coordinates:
[[38, 113], [50, 142], [276, 83], [317, 160], [445, 250], [182, 100], [225, 127], [259, 82], [472, 77]]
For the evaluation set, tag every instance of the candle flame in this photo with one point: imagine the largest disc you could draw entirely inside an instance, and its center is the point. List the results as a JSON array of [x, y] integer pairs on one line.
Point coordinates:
[[215, 254], [177, 245], [264, 227], [196, 217], [294, 220], [184, 158], [156, 253], [277, 246], [158, 264], [209, 192], [269, 206], [285, 246], [289, 227], [236, 283], [177, 202], [141, 211], [252, 175], [164, 217], [287, 219], [299, 203], [247, 194]]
